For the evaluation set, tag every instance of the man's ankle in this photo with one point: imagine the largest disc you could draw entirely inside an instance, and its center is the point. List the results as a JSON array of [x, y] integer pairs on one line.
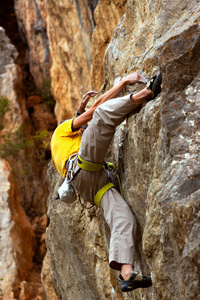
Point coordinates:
[[125, 271]]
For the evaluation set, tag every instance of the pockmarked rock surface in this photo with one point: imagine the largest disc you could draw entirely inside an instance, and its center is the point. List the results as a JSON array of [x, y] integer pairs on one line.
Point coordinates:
[[16, 237], [158, 162], [46, 280]]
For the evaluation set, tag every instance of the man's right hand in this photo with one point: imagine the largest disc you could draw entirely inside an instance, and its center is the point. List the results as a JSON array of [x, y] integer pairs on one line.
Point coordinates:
[[134, 78]]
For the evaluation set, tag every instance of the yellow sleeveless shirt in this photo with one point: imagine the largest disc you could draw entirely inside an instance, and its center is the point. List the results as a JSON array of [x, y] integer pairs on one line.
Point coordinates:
[[64, 143]]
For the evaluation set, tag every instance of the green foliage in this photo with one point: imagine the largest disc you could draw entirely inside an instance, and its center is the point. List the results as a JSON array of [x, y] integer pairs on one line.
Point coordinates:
[[45, 92], [4, 107], [35, 147], [14, 142], [1, 291]]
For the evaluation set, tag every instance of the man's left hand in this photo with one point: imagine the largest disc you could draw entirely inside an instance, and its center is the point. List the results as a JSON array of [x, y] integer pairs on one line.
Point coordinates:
[[85, 100]]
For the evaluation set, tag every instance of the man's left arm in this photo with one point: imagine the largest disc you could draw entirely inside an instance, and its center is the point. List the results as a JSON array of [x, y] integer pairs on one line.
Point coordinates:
[[84, 101]]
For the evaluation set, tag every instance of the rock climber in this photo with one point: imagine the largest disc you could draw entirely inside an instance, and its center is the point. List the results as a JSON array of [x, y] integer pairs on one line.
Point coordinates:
[[88, 148]]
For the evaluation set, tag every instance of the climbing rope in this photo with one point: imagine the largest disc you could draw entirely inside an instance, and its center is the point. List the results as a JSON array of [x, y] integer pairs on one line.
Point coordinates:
[[84, 206]]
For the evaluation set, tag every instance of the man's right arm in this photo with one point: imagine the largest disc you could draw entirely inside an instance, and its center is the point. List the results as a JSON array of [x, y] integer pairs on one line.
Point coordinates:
[[112, 93]]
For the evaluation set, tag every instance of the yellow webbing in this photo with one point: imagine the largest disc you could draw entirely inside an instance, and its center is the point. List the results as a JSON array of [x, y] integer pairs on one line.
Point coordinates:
[[88, 166], [101, 192], [92, 167]]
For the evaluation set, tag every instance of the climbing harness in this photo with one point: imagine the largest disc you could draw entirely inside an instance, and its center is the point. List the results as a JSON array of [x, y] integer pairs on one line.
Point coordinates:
[[101, 192], [88, 166], [67, 192], [92, 167]]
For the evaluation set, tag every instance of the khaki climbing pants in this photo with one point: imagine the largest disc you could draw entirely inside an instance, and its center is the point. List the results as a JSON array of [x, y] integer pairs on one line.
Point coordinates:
[[94, 145]]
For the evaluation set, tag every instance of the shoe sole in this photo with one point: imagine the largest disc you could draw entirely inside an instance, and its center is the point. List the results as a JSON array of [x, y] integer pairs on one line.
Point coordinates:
[[127, 286]]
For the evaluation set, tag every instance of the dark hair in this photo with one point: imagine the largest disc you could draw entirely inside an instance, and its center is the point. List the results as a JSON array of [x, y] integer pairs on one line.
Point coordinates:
[[83, 126]]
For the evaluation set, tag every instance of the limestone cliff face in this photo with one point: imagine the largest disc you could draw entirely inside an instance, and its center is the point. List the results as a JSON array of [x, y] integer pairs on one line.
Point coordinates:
[[31, 16], [28, 190], [11, 84], [70, 27], [107, 17], [158, 158], [17, 238], [17, 121]]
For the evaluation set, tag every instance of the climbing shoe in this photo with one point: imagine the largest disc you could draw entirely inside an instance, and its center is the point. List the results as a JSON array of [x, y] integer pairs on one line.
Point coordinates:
[[135, 281], [155, 85]]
